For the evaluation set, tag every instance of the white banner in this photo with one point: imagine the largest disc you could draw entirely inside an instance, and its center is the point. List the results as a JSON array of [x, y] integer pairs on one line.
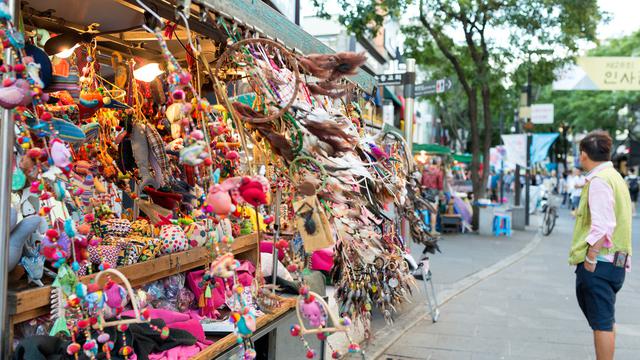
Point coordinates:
[[516, 149], [542, 113]]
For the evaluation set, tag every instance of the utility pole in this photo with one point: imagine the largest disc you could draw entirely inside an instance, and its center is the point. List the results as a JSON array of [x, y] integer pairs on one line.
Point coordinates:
[[528, 176], [501, 161], [409, 95], [517, 186]]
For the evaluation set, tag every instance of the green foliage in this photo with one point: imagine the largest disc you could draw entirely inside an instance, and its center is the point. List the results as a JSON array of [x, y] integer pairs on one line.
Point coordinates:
[[478, 60], [589, 110]]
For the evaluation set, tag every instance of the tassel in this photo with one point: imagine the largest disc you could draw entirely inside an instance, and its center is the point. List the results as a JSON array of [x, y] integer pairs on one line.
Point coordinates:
[[207, 292], [201, 302], [60, 326]]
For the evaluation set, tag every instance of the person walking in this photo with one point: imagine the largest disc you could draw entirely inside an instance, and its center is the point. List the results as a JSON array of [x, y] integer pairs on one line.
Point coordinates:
[[432, 186], [575, 184], [601, 247], [634, 189]]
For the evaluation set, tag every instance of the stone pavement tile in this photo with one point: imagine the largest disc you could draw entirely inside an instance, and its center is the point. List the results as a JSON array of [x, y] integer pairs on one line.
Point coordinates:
[[472, 344], [426, 354], [482, 356], [414, 339], [445, 328], [627, 354], [546, 350]]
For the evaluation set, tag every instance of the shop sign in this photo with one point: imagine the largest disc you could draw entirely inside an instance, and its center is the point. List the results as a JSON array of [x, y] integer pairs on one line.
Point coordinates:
[[612, 73]]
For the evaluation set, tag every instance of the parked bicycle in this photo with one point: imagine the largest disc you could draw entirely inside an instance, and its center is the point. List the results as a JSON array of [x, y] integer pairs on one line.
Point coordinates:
[[549, 205]]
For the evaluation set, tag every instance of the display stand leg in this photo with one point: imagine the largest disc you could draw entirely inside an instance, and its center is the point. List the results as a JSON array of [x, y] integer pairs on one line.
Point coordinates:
[[6, 152], [434, 311], [276, 236]]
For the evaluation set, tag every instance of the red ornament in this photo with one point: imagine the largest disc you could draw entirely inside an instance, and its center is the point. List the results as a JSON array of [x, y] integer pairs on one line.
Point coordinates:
[[309, 299], [294, 330], [52, 234], [311, 354], [84, 323]]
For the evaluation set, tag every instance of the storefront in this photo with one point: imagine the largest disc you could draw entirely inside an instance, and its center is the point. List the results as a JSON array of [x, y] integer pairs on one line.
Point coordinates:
[[170, 164]]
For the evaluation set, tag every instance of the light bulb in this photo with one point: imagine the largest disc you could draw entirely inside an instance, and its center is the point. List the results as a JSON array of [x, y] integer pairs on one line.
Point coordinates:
[[66, 53], [148, 72]]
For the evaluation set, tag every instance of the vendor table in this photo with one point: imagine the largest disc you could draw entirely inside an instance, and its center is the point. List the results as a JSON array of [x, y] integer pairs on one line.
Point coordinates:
[[272, 329]]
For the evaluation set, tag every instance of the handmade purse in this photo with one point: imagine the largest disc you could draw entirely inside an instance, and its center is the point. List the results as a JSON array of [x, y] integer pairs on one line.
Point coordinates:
[[173, 239]]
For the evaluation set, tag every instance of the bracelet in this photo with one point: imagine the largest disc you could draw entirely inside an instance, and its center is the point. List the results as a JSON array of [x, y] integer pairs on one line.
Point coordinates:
[[592, 262]]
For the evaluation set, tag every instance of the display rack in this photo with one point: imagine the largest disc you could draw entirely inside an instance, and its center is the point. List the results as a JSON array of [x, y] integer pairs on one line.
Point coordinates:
[[27, 304], [228, 342]]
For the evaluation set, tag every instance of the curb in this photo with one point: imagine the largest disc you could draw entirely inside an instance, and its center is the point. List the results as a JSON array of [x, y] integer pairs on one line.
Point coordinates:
[[409, 319]]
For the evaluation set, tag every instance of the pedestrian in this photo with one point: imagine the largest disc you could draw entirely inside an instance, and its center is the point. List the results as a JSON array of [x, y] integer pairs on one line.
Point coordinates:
[[634, 188], [575, 188], [562, 187], [432, 186], [601, 240]]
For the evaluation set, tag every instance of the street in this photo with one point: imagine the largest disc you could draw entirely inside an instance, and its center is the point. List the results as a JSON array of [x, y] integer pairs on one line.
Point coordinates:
[[527, 310]]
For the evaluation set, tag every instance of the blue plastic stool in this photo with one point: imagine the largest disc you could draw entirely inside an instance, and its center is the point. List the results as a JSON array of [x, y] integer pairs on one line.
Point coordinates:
[[502, 225], [426, 217]]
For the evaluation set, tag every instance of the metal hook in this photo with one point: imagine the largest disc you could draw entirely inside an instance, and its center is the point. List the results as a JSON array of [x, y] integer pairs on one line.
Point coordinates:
[[148, 9], [186, 25]]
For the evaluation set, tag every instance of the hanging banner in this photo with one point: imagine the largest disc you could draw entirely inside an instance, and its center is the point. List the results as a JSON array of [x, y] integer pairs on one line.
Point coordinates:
[[540, 144], [542, 113], [516, 149], [612, 73]]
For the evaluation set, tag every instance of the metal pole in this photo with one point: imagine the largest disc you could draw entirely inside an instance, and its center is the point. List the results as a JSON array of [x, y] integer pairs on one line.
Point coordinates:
[[6, 152], [501, 162], [409, 93], [528, 181], [409, 87], [517, 186], [528, 178]]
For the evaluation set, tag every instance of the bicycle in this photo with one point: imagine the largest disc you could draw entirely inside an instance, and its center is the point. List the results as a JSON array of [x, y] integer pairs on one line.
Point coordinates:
[[549, 206]]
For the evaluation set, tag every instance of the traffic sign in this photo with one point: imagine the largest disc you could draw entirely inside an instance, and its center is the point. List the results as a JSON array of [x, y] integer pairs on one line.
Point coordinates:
[[390, 79], [433, 87]]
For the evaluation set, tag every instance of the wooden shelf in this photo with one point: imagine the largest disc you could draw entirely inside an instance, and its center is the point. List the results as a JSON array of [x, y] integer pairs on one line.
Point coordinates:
[[229, 341], [31, 303]]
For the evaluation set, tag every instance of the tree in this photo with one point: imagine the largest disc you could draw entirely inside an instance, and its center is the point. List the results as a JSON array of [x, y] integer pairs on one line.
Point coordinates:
[[588, 110], [478, 58]]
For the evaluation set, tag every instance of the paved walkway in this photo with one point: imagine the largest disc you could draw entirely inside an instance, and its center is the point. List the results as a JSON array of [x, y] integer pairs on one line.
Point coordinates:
[[526, 311], [464, 260]]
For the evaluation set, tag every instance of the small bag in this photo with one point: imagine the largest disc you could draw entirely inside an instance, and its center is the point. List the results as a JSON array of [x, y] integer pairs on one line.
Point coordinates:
[[141, 227], [197, 234], [149, 247], [118, 227], [104, 253], [313, 225], [173, 239]]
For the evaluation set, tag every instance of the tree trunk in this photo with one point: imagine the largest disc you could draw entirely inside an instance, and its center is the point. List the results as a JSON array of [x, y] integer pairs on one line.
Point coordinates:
[[476, 179], [488, 131]]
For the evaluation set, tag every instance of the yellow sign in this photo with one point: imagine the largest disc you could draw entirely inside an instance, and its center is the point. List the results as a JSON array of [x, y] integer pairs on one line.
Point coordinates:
[[612, 73]]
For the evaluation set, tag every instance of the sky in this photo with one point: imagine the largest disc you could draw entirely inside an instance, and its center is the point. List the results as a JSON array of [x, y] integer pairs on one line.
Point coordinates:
[[624, 18]]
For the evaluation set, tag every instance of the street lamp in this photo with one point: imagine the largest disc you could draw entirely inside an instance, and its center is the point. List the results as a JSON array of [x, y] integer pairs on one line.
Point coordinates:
[[528, 128]]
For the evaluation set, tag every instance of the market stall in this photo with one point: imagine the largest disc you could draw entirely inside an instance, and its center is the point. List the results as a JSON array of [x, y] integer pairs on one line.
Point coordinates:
[[159, 146]]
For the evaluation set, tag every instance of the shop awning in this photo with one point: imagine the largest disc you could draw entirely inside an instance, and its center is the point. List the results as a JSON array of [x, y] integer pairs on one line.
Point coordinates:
[[388, 94], [463, 158], [261, 16], [431, 149]]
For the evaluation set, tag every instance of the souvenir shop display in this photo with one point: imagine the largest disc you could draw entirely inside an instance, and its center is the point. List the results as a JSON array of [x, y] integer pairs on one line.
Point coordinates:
[[146, 182]]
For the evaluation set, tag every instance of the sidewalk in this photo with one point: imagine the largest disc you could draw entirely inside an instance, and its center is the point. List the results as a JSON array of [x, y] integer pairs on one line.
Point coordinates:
[[525, 311], [465, 259]]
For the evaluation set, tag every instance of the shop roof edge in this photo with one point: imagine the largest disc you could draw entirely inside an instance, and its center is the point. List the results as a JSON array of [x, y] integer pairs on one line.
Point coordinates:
[[274, 25]]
